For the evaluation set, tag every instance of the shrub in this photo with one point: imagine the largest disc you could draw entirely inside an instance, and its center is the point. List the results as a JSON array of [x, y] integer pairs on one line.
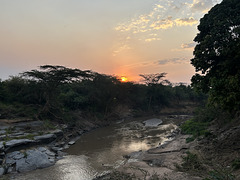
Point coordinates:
[[236, 164], [191, 162]]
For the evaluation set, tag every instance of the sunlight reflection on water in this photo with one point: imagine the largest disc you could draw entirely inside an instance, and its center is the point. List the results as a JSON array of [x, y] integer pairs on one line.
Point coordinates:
[[102, 150], [70, 168]]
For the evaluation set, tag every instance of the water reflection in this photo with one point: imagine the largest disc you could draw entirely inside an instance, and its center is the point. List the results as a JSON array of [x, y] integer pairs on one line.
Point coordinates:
[[69, 168], [102, 150]]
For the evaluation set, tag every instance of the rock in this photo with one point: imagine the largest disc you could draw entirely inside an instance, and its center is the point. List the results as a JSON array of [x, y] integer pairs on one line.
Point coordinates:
[[32, 124], [153, 122], [46, 138], [134, 155], [17, 142], [155, 162], [2, 171], [66, 146], [17, 134], [10, 169], [31, 159], [12, 157], [61, 154], [1, 146], [57, 132], [49, 153], [52, 160], [35, 159], [71, 142], [56, 149], [16, 155], [2, 137], [42, 149], [80, 132], [2, 132], [172, 146]]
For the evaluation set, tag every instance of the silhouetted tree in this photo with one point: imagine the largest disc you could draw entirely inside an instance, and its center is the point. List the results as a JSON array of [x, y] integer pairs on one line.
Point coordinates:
[[217, 55], [49, 78], [156, 89]]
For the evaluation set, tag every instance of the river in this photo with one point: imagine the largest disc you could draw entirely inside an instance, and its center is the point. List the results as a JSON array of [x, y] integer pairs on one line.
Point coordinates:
[[101, 150]]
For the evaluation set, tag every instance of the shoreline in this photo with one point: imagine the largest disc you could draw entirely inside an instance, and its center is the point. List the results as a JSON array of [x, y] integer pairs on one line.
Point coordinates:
[[68, 137]]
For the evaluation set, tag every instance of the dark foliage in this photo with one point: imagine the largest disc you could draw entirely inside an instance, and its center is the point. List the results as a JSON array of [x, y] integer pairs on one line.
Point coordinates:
[[217, 55], [55, 92]]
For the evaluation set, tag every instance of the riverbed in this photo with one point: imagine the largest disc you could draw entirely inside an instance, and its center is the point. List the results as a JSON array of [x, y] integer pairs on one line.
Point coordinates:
[[103, 149]]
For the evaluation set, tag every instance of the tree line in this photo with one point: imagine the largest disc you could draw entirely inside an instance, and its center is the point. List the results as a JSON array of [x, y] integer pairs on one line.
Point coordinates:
[[59, 93]]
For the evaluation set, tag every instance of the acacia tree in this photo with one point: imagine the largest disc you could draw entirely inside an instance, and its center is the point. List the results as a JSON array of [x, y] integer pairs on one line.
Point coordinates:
[[155, 88], [49, 78], [157, 78], [217, 55]]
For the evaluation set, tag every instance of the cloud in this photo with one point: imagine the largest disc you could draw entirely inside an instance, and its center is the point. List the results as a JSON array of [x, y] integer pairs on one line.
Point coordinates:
[[152, 39], [188, 45], [185, 47], [162, 24], [186, 21], [163, 16], [124, 47], [202, 5], [178, 60]]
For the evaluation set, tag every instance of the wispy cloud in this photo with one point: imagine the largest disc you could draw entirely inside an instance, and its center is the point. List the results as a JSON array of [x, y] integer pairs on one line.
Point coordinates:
[[188, 45], [152, 39], [121, 48], [185, 47], [163, 16], [201, 5], [176, 60], [186, 21], [173, 60]]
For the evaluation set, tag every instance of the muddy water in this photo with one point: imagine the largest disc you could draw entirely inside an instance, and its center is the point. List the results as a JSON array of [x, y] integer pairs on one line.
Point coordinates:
[[102, 150]]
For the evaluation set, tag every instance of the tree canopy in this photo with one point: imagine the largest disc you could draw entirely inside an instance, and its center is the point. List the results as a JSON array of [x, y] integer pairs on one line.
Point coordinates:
[[217, 55]]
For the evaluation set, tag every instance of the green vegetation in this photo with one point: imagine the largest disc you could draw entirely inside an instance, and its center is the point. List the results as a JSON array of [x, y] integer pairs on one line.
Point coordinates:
[[198, 126], [57, 93], [194, 128], [236, 164], [217, 56], [221, 174], [191, 162]]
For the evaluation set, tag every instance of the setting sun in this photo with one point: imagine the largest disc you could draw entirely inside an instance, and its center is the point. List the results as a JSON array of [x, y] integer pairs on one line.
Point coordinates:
[[123, 79]]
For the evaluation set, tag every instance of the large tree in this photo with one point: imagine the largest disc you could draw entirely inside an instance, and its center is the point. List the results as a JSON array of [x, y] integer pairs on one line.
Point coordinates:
[[217, 55], [49, 78], [156, 89]]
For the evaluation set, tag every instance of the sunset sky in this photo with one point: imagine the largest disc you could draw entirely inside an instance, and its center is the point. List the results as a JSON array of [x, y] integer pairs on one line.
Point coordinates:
[[115, 37]]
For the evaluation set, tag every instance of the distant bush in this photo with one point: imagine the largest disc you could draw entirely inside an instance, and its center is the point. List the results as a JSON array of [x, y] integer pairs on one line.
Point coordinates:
[[194, 128], [190, 162], [236, 164]]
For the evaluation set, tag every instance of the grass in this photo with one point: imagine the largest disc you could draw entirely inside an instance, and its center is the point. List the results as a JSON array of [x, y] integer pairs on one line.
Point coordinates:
[[195, 129], [221, 174], [198, 126], [28, 136], [236, 164], [48, 124], [190, 162]]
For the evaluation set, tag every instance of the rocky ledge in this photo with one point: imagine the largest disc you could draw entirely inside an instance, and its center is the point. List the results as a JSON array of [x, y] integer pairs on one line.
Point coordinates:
[[161, 160], [22, 150]]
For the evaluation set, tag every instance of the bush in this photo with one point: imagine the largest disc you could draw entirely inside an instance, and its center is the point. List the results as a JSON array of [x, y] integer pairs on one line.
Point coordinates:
[[236, 164], [191, 162], [221, 174], [194, 128]]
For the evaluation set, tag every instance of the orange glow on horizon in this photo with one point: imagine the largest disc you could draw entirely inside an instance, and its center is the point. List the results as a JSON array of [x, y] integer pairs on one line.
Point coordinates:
[[123, 79]]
